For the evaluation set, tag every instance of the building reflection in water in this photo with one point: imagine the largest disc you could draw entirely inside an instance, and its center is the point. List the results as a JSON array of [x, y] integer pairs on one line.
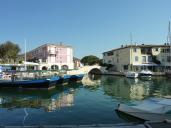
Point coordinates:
[[64, 100], [138, 91], [91, 80], [130, 89], [117, 87], [52, 103]]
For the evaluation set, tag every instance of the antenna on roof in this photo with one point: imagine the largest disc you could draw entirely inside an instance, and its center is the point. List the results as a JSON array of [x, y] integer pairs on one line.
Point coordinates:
[[131, 38]]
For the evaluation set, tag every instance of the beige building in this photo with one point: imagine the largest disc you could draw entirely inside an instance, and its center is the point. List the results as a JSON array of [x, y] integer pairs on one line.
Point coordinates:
[[138, 57]]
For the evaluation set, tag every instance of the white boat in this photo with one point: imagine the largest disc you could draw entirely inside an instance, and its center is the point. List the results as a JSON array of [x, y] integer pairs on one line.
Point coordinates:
[[131, 74], [152, 109], [146, 73], [168, 74]]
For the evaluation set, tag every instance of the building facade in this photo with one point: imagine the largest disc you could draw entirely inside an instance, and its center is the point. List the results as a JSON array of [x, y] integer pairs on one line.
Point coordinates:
[[138, 57], [52, 56], [77, 63]]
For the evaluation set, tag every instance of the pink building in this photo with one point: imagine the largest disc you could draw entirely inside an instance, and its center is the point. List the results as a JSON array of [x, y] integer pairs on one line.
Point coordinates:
[[52, 56]]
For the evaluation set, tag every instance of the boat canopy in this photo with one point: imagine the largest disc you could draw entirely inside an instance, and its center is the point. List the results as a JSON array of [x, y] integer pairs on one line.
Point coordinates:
[[23, 64], [31, 63], [146, 64]]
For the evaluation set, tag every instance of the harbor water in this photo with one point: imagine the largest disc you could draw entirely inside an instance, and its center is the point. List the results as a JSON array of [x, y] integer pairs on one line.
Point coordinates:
[[92, 101]]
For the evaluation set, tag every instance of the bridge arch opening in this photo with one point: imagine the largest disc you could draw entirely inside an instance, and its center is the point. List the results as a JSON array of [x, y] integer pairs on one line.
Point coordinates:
[[95, 71]]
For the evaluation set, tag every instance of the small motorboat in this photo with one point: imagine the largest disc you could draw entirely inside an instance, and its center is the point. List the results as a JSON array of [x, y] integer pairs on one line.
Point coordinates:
[[76, 78], [154, 109], [131, 74], [146, 73]]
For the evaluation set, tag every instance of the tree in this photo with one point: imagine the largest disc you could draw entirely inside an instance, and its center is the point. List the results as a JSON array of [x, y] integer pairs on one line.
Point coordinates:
[[9, 52], [155, 60], [90, 60]]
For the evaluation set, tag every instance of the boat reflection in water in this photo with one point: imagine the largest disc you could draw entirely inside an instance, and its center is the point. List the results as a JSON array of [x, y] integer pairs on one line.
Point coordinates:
[[49, 103], [91, 102], [130, 89], [48, 100]]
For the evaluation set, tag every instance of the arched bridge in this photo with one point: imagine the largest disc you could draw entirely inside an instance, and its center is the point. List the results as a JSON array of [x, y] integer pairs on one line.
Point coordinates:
[[91, 69]]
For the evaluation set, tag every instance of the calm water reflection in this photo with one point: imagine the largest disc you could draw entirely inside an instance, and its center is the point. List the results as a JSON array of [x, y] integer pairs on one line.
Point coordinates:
[[91, 102]]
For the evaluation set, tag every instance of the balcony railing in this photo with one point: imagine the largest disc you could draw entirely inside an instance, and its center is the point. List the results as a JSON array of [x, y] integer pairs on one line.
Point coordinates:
[[146, 52], [52, 52]]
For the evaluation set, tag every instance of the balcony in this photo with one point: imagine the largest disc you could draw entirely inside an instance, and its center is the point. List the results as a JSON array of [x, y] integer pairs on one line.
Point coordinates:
[[146, 51], [52, 52]]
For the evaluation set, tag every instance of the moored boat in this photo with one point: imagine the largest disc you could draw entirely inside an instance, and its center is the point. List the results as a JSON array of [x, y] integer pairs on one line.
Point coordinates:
[[65, 79], [146, 74], [30, 84], [168, 74], [76, 78], [151, 109], [131, 74]]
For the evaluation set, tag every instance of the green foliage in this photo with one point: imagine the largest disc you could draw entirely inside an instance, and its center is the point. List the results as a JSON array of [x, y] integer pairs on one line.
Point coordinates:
[[155, 60], [108, 66], [90, 60], [9, 52]]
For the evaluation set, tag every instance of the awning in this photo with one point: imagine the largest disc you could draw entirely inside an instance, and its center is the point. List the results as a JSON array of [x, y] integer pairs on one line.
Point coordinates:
[[146, 64], [30, 63], [23, 64]]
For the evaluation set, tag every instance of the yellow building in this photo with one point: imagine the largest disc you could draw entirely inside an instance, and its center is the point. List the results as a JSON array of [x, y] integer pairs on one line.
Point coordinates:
[[138, 57]]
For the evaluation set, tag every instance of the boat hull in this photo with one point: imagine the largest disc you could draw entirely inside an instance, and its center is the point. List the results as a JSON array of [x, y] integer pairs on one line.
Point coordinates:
[[144, 115], [152, 109], [76, 78], [31, 84], [65, 79], [131, 75], [145, 74], [168, 74]]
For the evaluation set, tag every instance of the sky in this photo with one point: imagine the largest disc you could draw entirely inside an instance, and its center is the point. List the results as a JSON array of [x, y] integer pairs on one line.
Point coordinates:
[[91, 27]]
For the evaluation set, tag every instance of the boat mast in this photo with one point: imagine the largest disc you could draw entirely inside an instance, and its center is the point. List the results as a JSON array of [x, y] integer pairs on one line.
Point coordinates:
[[131, 50], [25, 54], [169, 43]]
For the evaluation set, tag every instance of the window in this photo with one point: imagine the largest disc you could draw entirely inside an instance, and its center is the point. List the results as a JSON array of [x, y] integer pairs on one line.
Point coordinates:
[[125, 67], [167, 50], [149, 59], [157, 49], [143, 59], [109, 62], [136, 58], [168, 58], [110, 53], [163, 60], [117, 60], [135, 50]]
